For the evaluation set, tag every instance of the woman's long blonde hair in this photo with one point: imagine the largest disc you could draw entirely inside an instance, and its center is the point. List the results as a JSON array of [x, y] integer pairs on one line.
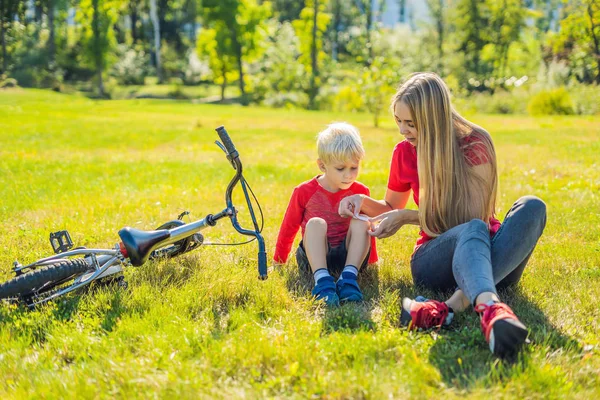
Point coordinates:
[[451, 193]]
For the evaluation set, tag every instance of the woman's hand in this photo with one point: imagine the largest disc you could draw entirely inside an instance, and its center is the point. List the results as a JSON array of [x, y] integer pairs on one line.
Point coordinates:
[[389, 223], [350, 206]]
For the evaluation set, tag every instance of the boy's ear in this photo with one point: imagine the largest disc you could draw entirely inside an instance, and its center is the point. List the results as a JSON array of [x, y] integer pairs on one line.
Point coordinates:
[[321, 165]]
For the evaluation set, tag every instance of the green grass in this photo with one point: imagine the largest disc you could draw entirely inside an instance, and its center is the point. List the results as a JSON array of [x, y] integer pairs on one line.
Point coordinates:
[[204, 326]]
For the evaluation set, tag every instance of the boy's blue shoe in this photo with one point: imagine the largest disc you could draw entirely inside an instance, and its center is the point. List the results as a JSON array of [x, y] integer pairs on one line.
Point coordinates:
[[325, 290], [348, 289]]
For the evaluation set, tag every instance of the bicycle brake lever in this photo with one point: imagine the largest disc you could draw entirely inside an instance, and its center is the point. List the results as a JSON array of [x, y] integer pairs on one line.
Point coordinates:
[[226, 153], [221, 146]]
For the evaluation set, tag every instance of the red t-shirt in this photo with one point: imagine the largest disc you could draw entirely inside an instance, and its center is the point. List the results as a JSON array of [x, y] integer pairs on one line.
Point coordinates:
[[310, 200], [404, 175]]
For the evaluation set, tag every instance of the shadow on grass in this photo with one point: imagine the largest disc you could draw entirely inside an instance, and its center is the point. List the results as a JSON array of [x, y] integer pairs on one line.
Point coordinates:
[[463, 357], [348, 317]]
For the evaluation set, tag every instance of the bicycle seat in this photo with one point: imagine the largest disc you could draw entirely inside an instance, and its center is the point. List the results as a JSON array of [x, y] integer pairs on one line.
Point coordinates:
[[139, 244]]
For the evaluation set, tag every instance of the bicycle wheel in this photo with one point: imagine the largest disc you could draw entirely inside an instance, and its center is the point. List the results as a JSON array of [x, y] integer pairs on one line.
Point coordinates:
[[43, 279]]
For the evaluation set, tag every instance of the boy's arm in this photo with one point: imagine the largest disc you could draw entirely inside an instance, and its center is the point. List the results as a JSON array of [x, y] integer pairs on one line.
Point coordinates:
[[289, 228]]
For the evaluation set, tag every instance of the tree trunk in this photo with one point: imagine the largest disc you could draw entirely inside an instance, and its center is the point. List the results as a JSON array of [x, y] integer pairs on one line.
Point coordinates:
[[97, 47], [51, 40], [440, 37], [224, 84], [313, 57], [402, 6], [3, 40], [133, 17], [369, 15], [156, 23], [337, 16], [596, 41], [238, 53]]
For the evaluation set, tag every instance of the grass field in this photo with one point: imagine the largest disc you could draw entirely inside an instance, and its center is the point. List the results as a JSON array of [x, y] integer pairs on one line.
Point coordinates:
[[203, 326]]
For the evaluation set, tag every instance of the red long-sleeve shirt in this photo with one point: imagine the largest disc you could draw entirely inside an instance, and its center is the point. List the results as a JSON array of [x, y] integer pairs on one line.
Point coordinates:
[[310, 200]]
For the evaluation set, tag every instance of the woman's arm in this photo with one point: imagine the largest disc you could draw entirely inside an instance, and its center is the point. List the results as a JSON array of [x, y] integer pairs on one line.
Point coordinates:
[[360, 203]]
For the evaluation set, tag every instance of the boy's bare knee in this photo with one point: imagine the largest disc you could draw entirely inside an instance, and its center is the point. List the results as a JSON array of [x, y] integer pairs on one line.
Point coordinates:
[[316, 225], [358, 226]]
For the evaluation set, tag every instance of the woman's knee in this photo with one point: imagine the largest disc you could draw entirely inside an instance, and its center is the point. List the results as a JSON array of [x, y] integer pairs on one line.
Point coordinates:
[[478, 225], [533, 205], [535, 208]]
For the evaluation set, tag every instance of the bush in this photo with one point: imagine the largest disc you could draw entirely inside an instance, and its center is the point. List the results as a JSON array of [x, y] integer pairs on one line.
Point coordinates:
[[8, 83], [196, 70], [553, 102], [348, 99], [131, 67], [585, 99], [287, 100], [500, 102]]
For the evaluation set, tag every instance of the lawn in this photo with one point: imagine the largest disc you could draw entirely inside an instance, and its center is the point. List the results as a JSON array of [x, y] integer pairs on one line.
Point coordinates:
[[203, 325]]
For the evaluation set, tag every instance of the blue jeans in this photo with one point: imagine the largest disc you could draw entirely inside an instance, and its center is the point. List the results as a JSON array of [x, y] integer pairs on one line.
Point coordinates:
[[466, 257]]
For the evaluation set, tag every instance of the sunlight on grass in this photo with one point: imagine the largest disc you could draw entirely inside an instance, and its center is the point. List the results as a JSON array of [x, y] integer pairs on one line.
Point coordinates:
[[204, 326]]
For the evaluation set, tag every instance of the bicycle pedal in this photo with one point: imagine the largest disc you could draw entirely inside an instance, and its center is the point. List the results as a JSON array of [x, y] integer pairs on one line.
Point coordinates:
[[60, 241]]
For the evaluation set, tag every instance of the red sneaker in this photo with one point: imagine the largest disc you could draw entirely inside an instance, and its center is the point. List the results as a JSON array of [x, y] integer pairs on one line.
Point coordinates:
[[425, 314], [502, 329]]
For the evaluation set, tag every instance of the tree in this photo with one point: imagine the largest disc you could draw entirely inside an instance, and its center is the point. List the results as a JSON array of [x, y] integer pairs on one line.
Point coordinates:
[[8, 10], [215, 45], [437, 11], [310, 29], [96, 18], [243, 21], [156, 25], [579, 38]]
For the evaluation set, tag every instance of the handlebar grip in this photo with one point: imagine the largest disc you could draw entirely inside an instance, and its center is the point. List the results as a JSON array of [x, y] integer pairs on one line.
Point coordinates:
[[262, 265], [226, 141]]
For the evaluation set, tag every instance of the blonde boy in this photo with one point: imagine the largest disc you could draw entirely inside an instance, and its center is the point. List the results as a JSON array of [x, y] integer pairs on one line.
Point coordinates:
[[330, 244]]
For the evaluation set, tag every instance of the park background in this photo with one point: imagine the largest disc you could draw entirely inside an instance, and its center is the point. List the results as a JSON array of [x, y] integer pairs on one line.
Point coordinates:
[[107, 111]]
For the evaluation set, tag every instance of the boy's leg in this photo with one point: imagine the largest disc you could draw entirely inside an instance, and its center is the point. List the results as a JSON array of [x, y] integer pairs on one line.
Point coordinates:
[[316, 247], [357, 245]]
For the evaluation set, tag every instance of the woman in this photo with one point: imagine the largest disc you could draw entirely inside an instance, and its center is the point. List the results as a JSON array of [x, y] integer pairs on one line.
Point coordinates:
[[449, 164]]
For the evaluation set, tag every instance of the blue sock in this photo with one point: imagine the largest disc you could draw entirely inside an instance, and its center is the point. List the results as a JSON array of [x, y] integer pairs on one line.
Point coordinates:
[[319, 274], [350, 272]]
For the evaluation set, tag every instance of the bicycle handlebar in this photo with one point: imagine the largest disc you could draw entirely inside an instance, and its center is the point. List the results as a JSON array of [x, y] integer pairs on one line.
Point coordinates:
[[234, 158], [224, 136]]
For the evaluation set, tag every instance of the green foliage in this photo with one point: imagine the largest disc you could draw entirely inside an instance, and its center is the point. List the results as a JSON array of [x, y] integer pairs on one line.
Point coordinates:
[[585, 98], [97, 48], [277, 77], [132, 66], [203, 326], [241, 24], [579, 39], [553, 102], [312, 54]]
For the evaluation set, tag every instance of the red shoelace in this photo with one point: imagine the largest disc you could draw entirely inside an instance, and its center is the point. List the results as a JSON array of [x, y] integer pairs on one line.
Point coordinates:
[[427, 314], [492, 313]]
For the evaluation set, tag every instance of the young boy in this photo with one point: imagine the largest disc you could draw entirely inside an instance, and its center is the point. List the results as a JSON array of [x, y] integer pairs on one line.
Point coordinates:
[[330, 243]]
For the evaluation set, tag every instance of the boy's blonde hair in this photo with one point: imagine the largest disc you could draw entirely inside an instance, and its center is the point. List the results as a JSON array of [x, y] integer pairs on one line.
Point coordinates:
[[340, 141]]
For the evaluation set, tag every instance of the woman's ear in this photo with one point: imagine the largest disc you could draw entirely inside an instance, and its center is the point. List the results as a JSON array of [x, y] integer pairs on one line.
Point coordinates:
[[321, 165]]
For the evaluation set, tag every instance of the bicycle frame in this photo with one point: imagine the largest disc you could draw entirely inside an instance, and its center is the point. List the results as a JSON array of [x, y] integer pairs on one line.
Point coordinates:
[[137, 246]]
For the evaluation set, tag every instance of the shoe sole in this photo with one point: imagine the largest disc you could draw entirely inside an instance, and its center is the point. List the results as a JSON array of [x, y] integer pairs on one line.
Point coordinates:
[[352, 298], [405, 318], [507, 337]]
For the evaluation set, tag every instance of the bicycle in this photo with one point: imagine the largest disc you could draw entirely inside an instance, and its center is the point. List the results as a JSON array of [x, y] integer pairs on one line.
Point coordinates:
[[68, 270]]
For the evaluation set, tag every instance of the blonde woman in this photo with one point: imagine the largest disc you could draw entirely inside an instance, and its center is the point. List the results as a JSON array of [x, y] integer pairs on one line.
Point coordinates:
[[449, 164]]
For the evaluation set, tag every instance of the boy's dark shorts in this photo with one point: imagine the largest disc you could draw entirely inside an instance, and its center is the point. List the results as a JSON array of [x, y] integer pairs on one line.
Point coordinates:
[[336, 259]]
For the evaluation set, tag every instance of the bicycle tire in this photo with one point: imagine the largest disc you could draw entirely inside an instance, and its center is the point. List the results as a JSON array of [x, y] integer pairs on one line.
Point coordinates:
[[43, 279]]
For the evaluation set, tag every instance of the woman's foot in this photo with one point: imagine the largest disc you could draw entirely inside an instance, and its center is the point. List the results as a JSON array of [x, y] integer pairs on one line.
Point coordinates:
[[424, 313], [502, 329]]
